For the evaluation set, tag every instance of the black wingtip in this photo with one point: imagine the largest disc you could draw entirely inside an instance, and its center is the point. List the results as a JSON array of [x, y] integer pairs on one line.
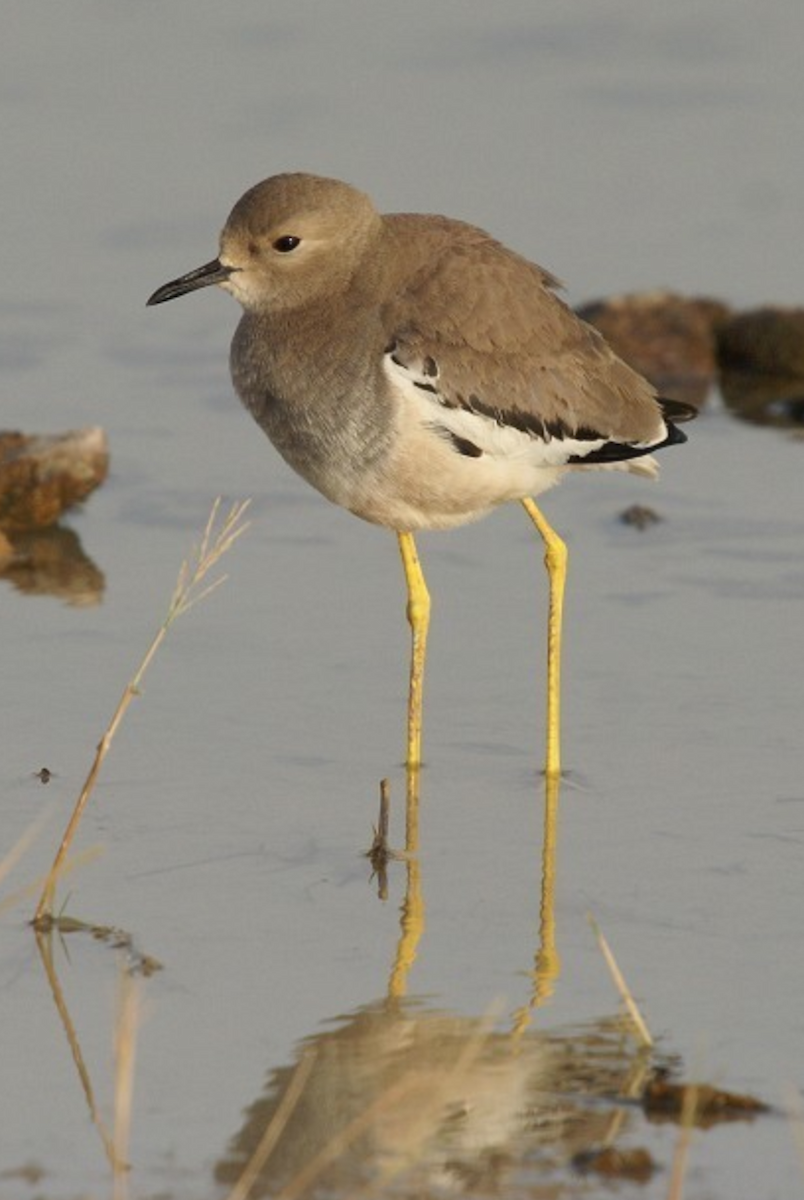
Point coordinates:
[[677, 410], [674, 436], [611, 452]]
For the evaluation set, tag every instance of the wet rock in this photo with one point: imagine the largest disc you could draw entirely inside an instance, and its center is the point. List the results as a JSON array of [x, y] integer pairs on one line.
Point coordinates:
[[764, 399], [668, 338], [41, 476], [766, 340], [662, 1098]]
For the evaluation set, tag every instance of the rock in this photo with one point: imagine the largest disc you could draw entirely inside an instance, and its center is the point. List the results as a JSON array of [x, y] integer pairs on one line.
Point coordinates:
[[764, 399], [766, 340], [668, 338], [41, 476]]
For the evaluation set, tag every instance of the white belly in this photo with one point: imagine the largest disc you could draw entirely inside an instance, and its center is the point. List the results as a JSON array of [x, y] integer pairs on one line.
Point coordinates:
[[426, 483]]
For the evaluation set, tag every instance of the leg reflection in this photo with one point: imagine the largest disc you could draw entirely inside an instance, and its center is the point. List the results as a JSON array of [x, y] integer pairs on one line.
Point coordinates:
[[412, 910], [547, 964]]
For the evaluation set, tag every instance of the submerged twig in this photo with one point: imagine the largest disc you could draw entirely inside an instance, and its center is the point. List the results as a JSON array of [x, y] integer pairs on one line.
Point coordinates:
[[187, 592], [379, 852]]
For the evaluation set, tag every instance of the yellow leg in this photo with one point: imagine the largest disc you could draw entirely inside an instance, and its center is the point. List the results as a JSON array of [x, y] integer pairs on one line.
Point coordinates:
[[418, 612], [555, 559]]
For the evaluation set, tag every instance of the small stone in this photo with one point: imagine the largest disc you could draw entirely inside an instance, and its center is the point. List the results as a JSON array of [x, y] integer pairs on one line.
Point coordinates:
[[640, 516]]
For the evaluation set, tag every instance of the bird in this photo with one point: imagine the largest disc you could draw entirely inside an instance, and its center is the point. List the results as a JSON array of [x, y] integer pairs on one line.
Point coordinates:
[[419, 373]]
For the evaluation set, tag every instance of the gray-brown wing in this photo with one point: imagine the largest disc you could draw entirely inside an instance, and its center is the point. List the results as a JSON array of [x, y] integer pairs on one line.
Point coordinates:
[[487, 330]]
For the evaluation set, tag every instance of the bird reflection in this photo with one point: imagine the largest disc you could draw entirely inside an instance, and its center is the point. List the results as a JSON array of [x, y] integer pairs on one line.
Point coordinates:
[[400, 1087], [399, 1090]]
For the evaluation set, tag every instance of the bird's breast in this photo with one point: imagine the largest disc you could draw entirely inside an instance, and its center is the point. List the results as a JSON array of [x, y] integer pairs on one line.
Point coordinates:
[[326, 409]]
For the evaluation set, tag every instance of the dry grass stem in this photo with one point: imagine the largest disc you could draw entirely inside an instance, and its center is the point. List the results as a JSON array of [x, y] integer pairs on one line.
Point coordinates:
[[188, 591], [622, 987], [274, 1129]]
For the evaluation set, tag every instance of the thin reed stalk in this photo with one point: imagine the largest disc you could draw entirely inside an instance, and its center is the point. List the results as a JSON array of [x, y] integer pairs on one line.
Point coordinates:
[[622, 987], [191, 586]]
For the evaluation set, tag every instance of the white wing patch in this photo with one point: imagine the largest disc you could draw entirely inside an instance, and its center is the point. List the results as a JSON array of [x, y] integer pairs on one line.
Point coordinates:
[[418, 389]]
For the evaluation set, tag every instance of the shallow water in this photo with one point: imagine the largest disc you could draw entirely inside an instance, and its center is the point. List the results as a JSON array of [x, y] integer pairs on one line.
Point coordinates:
[[622, 149]]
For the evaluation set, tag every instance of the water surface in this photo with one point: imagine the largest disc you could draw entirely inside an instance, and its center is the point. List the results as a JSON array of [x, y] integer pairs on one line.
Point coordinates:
[[624, 147]]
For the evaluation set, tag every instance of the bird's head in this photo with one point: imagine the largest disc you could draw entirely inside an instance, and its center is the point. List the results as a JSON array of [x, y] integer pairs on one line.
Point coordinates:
[[289, 241]]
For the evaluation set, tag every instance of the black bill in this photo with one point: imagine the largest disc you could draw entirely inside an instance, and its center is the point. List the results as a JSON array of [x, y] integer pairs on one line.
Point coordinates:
[[210, 273]]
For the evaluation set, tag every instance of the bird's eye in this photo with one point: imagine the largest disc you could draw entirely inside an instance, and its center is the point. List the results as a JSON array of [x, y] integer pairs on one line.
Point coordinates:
[[287, 243]]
